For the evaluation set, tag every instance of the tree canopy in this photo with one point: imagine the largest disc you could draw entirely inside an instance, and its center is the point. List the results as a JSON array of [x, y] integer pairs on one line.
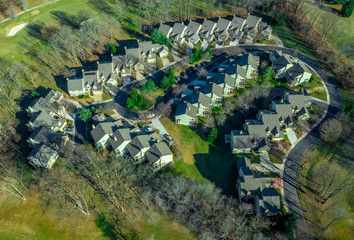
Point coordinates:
[[158, 37], [85, 114], [136, 101]]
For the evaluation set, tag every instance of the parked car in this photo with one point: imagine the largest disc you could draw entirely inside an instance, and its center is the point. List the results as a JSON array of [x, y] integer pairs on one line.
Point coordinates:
[[177, 99], [178, 78], [148, 128], [198, 66]]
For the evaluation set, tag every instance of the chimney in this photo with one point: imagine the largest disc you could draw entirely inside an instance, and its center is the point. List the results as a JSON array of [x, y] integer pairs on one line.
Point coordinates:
[[115, 138], [219, 17], [160, 24], [98, 62], [137, 40]]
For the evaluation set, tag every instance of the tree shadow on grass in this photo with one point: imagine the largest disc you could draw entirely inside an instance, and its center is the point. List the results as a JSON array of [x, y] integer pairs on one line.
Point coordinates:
[[219, 167]]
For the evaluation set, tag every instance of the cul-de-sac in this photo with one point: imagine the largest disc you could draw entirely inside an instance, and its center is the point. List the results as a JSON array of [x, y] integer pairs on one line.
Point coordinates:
[[176, 119]]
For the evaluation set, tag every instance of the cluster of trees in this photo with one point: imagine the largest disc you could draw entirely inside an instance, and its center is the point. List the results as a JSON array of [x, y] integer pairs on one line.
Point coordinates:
[[136, 101], [268, 75], [70, 43], [199, 53], [169, 80], [158, 37], [8, 7], [319, 31], [149, 86]]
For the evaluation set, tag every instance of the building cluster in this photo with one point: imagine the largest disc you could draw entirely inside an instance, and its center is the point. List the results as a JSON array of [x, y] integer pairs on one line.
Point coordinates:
[[210, 92], [120, 66], [220, 30], [270, 124], [257, 187], [46, 124], [285, 66], [128, 140]]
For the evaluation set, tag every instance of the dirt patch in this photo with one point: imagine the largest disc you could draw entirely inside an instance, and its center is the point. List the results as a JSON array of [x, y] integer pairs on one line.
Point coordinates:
[[35, 12]]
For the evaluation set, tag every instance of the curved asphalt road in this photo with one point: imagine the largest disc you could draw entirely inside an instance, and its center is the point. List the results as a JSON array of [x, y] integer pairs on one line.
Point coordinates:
[[294, 158]]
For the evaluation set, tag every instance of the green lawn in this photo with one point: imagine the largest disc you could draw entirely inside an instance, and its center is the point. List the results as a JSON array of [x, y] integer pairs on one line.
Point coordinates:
[[201, 161], [29, 220], [13, 48]]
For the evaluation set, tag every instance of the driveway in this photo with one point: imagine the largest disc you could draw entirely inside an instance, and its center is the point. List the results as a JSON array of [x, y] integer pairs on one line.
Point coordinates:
[[156, 124], [292, 136]]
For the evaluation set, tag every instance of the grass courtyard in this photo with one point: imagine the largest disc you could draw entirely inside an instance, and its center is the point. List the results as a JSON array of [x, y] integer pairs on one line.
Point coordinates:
[[201, 161]]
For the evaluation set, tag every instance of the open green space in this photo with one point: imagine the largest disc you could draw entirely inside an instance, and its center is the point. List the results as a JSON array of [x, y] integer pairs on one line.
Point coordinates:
[[318, 166], [13, 48], [199, 160]]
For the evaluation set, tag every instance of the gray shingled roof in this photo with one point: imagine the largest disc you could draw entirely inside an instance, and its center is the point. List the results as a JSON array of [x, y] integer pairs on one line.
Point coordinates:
[[237, 23], [298, 99], [75, 84], [186, 108], [223, 78], [198, 97], [252, 21], [142, 141], [207, 25], [282, 62], [45, 135], [105, 69], [104, 128], [42, 155], [192, 28], [237, 69], [90, 78], [222, 24], [42, 104], [177, 30], [53, 96], [43, 118], [297, 69], [157, 151], [145, 49], [164, 29], [212, 88]]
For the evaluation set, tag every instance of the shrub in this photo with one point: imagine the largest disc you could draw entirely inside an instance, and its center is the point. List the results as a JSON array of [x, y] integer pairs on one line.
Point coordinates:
[[216, 110], [34, 94], [85, 114], [213, 135], [149, 86]]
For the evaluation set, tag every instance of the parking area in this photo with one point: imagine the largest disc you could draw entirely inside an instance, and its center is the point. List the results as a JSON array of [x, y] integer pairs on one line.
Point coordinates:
[[156, 124]]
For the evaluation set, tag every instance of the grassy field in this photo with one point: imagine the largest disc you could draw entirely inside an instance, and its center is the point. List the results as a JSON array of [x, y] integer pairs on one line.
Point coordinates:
[[201, 161], [291, 40], [339, 159], [27, 220], [13, 48]]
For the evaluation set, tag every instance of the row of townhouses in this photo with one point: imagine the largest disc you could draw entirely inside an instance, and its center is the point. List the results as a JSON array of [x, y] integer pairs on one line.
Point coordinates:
[[120, 66], [210, 92], [270, 124], [257, 187], [46, 124], [128, 140], [285, 66], [219, 30]]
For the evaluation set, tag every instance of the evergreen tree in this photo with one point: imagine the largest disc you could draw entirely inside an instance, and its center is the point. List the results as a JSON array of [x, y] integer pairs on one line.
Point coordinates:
[[347, 8]]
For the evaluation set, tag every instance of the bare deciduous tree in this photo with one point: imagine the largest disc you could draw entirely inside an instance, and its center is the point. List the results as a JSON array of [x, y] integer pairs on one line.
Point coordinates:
[[11, 181], [330, 130]]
